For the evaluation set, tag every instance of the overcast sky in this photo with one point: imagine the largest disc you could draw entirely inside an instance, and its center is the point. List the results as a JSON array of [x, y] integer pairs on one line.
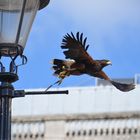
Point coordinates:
[[111, 26]]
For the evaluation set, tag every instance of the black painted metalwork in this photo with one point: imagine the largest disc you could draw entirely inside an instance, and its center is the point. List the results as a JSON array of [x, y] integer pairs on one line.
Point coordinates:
[[43, 3], [6, 94], [11, 49], [46, 92], [7, 91], [20, 21], [23, 93], [5, 118], [14, 48]]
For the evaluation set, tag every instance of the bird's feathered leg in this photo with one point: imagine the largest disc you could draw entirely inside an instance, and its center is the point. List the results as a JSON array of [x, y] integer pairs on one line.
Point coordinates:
[[61, 77], [57, 82]]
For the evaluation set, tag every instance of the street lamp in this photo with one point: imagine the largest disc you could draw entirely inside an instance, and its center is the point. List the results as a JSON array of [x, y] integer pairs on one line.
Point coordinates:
[[16, 18]]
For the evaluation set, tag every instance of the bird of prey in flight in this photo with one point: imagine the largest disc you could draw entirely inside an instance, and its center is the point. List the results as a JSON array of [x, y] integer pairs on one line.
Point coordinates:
[[79, 62]]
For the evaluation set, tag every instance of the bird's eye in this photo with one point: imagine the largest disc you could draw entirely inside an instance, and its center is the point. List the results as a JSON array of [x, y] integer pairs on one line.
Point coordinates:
[[63, 67]]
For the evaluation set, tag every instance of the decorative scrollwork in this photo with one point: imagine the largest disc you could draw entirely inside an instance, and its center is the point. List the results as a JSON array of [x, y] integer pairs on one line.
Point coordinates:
[[13, 66], [15, 53]]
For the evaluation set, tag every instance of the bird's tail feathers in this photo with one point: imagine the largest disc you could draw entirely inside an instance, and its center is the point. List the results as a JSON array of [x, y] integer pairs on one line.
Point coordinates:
[[61, 68], [58, 62], [58, 66], [123, 87]]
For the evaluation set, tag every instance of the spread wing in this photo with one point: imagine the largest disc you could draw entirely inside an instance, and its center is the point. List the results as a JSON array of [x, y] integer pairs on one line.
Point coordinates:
[[102, 75], [76, 48]]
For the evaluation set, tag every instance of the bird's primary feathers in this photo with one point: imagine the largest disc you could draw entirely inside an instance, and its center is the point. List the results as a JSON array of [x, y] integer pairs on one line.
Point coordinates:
[[80, 62]]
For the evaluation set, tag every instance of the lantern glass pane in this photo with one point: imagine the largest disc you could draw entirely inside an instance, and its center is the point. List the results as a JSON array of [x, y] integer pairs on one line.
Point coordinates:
[[16, 18], [29, 15], [10, 11]]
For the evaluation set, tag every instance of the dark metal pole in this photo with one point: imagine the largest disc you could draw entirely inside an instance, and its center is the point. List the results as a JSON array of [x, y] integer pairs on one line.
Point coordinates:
[[46, 92], [6, 94], [5, 113], [5, 119]]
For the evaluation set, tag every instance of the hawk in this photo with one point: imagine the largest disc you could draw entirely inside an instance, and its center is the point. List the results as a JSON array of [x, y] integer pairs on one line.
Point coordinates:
[[80, 62]]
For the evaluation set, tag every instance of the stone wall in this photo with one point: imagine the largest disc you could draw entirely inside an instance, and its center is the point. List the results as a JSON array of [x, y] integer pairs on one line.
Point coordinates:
[[105, 126]]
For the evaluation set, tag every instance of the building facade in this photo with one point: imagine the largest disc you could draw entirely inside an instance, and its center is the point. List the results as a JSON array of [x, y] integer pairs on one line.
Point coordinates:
[[87, 113], [106, 126]]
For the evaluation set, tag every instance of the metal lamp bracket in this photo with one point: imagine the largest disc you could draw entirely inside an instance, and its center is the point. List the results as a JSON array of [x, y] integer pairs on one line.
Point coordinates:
[[14, 66]]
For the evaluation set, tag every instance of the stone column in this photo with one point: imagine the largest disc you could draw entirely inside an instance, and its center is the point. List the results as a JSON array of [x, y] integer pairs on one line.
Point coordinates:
[[55, 130]]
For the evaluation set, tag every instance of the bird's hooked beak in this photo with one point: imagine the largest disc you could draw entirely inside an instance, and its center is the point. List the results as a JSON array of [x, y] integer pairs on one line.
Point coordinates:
[[109, 63]]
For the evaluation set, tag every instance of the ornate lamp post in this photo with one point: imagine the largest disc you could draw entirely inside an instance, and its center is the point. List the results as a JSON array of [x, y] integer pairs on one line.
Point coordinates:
[[16, 18]]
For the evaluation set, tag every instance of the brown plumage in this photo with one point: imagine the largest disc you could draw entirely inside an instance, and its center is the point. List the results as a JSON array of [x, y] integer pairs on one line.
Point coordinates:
[[81, 62]]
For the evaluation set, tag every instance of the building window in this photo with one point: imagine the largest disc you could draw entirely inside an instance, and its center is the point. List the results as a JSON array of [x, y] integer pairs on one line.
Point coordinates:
[[129, 131], [135, 131], [118, 131], [124, 131], [101, 132], [19, 136], [14, 135], [84, 133], [90, 132], [42, 135], [31, 135], [36, 136], [73, 133], [95, 132], [107, 132], [79, 133], [113, 131], [67, 134], [25, 136]]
